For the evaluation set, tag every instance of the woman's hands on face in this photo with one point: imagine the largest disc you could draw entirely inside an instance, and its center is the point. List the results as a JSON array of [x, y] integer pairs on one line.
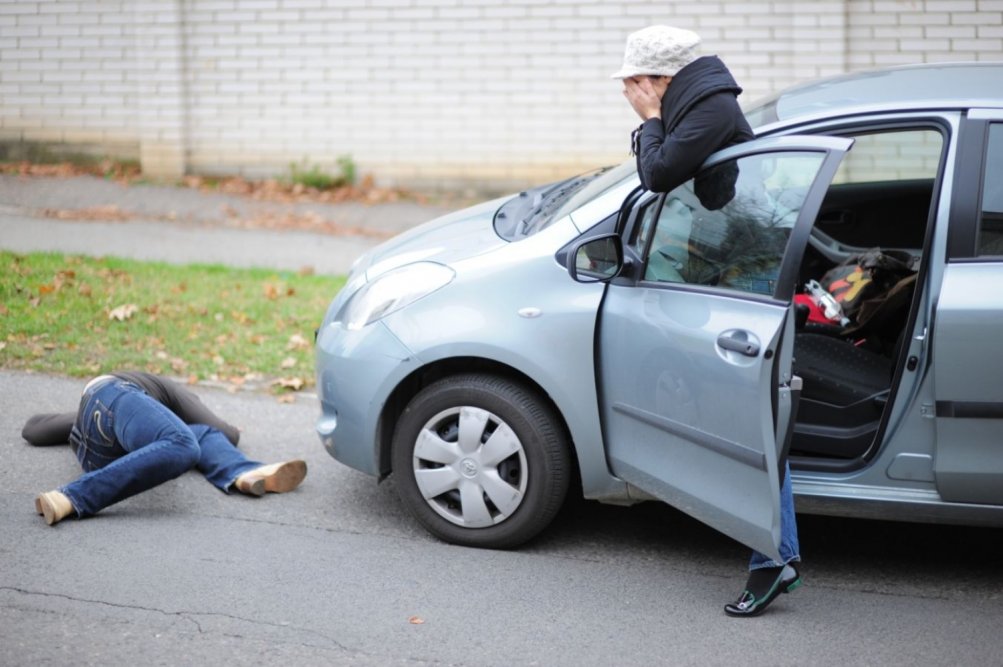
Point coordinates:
[[644, 97]]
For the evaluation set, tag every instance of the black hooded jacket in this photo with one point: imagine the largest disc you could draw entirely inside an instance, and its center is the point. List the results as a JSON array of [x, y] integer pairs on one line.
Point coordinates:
[[700, 115]]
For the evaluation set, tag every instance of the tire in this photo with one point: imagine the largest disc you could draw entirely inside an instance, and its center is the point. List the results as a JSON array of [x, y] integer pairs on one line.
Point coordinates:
[[507, 483]]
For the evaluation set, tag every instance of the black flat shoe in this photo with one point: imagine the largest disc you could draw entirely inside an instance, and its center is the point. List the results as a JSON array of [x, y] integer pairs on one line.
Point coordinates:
[[762, 588]]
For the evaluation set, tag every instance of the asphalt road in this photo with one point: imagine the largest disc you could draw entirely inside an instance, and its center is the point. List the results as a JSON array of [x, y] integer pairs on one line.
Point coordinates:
[[336, 572], [183, 244], [185, 225]]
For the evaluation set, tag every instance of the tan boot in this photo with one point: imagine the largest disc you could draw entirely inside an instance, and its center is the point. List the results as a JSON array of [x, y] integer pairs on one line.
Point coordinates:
[[54, 506], [274, 478]]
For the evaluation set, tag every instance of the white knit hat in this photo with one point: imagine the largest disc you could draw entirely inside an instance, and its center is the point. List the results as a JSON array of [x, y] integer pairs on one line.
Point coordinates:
[[658, 50]]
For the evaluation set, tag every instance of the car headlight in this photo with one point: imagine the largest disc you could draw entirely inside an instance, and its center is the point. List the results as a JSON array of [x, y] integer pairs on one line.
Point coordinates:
[[392, 291]]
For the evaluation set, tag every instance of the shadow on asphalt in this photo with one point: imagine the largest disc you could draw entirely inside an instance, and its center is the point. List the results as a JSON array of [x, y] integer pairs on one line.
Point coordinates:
[[834, 549]]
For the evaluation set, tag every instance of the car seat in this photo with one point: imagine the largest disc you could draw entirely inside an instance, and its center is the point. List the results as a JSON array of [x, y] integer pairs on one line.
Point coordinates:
[[845, 388], [847, 374]]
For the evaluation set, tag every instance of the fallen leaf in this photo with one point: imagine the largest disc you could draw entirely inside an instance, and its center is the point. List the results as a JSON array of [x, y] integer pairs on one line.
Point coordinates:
[[3, 309], [271, 291], [297, 342], [123, 312], [2, 345], [34, 301], [107, 213], [294, 383], [46, 289], [288, 362], [287, 398], [193, 379], [85, 289], [416, 620]]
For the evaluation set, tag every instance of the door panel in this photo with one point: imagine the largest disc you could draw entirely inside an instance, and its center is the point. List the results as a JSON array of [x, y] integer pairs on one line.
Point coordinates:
[[693, 367], [968, 344], [967, 347], [882, 214], [686, 411]]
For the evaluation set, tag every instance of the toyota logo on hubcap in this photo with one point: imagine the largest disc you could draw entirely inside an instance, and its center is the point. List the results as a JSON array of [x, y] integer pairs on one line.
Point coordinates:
[[468, 467]]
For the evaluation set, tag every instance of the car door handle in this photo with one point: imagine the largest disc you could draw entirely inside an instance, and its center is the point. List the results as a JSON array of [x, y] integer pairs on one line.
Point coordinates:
[[729, 341]]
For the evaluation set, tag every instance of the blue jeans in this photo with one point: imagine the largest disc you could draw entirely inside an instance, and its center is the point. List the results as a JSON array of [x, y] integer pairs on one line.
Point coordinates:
[[789, 548], [128, 442]]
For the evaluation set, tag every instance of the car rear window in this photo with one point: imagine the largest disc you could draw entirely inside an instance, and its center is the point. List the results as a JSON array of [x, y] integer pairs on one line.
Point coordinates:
[[991, 217]]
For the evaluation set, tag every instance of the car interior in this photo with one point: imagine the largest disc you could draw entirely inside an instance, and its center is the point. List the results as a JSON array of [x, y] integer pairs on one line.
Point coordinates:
[[874, 215]]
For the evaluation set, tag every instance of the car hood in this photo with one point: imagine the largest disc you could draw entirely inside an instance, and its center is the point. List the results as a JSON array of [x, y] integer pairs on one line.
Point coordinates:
[[458, 235]]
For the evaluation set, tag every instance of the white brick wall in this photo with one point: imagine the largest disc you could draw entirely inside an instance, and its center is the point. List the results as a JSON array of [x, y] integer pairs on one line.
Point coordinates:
[[420, 92], [894, 32]]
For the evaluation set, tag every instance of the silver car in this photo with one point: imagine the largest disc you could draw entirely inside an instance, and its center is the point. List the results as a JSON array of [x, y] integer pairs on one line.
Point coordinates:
[[654, 346]]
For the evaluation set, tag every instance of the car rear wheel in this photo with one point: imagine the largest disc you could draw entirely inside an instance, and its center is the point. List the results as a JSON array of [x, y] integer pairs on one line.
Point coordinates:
[[481, 461]]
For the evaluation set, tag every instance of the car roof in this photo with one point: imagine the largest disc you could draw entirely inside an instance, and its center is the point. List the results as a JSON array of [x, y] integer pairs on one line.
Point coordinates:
[[910, 87]]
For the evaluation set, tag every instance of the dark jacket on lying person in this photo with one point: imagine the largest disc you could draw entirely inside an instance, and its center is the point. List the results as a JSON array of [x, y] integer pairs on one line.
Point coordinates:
[[700, 115], [54, 428]]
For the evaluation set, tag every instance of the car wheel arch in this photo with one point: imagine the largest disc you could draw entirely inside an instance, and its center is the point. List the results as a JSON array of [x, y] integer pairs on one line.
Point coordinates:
[[409, 387]]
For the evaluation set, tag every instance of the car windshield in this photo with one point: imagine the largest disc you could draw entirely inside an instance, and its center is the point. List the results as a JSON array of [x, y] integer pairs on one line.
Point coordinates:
[[534, 210], [763, 113], [602, 181]]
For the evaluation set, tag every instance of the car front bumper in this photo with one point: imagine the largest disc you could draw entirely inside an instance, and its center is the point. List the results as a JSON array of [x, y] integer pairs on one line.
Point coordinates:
[[356, 371]]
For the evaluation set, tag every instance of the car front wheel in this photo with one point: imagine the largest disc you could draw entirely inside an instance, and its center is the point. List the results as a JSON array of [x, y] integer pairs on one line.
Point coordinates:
[[481, 461]]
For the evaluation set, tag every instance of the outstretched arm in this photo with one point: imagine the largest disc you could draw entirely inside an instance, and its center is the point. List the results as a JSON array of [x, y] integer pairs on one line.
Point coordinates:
[[49, 429]]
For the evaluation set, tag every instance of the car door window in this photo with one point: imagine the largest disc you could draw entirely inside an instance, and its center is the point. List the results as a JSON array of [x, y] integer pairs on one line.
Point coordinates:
[[991, 211], [881, 194], [891, 155], [644, 229], [728, 227]]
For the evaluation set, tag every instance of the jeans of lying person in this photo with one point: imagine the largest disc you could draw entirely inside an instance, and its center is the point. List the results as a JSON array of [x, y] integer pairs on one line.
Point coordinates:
[[128, 442], [790, 551]]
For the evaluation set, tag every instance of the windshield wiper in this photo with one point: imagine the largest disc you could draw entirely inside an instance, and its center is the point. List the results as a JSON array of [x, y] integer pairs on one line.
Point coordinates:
[[535, 206], [549, 201]]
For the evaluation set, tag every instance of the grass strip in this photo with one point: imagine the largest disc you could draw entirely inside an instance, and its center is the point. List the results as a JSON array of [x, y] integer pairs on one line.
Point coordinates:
[[82, 316]]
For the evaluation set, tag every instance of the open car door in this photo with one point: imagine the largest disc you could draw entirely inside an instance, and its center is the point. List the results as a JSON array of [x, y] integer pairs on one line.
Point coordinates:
[[695, 334]]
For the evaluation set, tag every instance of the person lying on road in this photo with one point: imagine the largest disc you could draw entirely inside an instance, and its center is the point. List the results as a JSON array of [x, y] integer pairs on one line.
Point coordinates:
[[134, 431]]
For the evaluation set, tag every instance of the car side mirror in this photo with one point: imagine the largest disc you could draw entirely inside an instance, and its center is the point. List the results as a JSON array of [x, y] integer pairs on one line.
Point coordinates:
[[598, 259]]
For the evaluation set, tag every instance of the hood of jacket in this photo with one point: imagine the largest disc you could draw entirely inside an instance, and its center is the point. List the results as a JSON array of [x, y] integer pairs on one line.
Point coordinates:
[[703, 77]]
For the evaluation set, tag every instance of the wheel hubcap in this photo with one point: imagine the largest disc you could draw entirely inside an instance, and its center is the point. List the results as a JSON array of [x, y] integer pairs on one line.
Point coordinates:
[[470, 467]]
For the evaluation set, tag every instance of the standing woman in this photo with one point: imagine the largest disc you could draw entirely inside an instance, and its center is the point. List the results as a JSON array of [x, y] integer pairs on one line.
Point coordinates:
[[689, 110]]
